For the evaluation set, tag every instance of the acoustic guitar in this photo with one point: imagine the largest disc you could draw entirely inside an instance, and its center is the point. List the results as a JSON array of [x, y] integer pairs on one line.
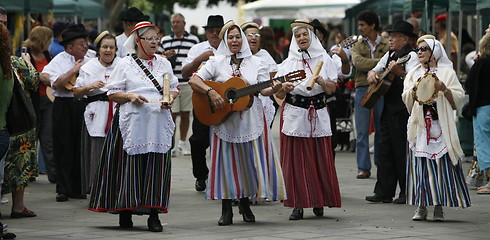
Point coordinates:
[[238, 96], [376, 90]]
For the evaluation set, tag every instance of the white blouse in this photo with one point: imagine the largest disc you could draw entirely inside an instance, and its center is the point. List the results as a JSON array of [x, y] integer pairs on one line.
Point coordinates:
[[267, 102], [146, 127], [246, 125], [96, 113], [300, 122], [58, 66]]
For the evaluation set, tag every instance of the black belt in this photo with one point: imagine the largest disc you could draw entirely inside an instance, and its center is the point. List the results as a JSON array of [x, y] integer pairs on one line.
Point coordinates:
[[98, 97], [318, 101]]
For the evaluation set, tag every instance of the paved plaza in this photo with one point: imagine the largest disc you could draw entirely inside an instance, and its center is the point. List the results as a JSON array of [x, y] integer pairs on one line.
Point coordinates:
[[191, 216]]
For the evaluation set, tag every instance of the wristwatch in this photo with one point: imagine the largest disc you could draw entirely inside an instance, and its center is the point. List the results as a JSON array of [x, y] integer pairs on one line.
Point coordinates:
[[445, 90]]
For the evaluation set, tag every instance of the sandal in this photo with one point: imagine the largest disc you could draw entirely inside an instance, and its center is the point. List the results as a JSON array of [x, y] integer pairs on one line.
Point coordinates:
[[483, 190], [25, 213]]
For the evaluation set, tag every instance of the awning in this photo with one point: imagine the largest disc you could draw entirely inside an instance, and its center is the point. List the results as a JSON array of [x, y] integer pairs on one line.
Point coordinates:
[[27, 6], [87, 9], [298, 9]]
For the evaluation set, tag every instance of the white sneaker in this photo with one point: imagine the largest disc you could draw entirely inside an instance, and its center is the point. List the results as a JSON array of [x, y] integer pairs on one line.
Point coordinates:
[[4, 200], [174, 152], [438, 214], [184, 150], [420, 214]]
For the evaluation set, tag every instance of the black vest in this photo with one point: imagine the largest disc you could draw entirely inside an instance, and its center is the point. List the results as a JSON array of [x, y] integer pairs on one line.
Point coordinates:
[[393, 98]]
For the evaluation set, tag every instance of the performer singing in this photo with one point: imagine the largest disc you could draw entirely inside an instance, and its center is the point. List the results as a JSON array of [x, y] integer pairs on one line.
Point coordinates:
[[239, 145]]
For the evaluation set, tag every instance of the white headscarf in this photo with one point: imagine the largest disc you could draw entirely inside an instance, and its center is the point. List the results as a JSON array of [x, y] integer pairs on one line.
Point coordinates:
[[223, 48], [439, 53], [314, 50], [131, 42]]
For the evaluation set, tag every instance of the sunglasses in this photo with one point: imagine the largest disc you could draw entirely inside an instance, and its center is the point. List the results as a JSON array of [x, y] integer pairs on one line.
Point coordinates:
[[423, 49]]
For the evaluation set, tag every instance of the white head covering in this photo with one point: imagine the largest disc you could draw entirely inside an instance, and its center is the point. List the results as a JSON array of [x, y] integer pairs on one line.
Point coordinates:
[[314, 50], [223, 48], [439, 53], [131, 42]]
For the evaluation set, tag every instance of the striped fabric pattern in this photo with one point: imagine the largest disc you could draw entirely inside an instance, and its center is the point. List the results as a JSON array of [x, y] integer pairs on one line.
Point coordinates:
[[436, 182], [129, 182], [309, 172], [241, 170], [181, 46]]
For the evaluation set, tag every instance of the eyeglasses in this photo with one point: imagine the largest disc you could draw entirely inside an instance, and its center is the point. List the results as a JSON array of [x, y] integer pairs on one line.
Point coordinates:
[[83, 44], [151, 39], [423, 49], [395, 36], [252, 35]]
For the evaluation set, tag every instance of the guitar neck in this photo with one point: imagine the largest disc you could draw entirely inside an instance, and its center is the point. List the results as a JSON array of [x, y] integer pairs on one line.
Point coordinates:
[[252, 89]]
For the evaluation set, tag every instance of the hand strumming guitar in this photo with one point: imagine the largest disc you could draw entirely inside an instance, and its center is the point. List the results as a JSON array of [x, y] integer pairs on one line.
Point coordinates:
[[372, 77], [397, 69]]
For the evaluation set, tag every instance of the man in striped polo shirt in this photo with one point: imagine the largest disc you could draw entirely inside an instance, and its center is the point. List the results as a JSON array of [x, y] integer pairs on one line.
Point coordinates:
[[180, 42]]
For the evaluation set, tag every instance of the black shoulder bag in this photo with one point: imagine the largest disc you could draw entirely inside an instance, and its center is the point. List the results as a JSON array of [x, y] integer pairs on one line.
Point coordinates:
[[20, 114]]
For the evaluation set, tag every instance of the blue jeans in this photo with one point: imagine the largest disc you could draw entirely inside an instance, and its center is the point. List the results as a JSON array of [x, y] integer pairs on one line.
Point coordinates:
[[4, 147], [362, 120]]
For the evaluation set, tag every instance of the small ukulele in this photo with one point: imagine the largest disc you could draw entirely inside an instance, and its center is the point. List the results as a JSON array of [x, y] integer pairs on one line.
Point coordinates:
[[376, 90], [238, 96]]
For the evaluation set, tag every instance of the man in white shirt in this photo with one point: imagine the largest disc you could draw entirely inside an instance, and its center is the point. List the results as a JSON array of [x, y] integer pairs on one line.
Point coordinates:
[[130, 18], [199, 140], [67, 112], [180, 42]]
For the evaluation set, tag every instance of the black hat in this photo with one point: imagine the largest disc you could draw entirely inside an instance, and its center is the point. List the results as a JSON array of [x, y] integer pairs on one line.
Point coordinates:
[[73, 31], [403, 27], [215, 21], [58, 27], [134, 15], [319, 27]]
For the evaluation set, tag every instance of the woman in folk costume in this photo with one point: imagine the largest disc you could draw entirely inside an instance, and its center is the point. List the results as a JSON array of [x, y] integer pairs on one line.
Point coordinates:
[[99, 111], [434, 171], [306, 153], [240, 155], [133, 176]]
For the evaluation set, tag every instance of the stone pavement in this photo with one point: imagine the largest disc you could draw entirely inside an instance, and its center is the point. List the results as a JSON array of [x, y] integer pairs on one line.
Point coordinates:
[[193, 217]]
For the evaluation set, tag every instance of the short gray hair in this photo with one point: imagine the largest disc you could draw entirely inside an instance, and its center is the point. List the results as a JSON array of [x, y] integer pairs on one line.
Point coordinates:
[[179, 15]]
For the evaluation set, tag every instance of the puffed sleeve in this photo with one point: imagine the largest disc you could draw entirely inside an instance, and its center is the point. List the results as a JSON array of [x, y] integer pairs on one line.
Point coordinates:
[[208, 71], [174, 81], [329, 69], [117, 81], [263, 72]]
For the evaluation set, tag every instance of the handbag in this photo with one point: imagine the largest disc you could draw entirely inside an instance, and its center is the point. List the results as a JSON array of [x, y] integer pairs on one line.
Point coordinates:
[[20, 114]]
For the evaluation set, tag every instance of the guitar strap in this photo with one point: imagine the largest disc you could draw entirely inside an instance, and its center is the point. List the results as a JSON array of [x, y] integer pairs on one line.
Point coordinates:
[[148, 73]]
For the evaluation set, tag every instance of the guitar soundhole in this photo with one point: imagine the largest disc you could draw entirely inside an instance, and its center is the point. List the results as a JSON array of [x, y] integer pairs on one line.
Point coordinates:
[[231, 94]]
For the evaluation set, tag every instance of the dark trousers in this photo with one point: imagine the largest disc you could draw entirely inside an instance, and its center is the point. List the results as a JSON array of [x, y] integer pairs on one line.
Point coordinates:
[[392, 153], [199, 142], [67, 129], [45, 128]]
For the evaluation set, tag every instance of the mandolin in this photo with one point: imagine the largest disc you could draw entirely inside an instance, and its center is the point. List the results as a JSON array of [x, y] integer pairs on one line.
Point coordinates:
[[238, 96], [376, 90]]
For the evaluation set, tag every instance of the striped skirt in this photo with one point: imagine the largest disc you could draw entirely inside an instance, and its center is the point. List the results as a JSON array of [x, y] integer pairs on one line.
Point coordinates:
[[436, 182], [129, 182], [241, 170], [309, 172], [90, 156]]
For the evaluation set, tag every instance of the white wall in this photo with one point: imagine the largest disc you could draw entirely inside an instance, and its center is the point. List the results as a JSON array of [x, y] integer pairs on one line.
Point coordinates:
[[199, 16]]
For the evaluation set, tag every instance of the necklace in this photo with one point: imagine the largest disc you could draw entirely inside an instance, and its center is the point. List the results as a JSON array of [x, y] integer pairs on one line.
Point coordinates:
[[235, 67]]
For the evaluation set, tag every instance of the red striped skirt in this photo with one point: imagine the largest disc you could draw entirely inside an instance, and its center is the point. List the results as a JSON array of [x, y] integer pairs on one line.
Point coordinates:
[[309, 172]]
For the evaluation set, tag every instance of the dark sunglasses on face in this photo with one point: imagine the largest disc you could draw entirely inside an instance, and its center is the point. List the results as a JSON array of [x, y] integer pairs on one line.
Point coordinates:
[[423, 49]]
